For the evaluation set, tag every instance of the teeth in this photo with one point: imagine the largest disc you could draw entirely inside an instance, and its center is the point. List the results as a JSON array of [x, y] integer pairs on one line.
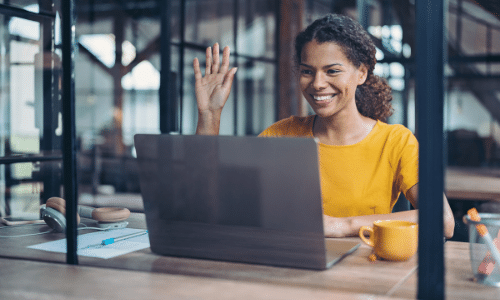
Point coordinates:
[[321, 98]]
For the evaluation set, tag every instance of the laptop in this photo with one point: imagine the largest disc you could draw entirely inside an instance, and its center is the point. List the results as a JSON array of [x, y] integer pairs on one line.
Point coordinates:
[[242, 199]]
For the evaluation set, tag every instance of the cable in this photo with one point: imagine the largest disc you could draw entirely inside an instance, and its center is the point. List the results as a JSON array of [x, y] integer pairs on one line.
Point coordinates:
[[23, 235], [39, 233], [97, 228]]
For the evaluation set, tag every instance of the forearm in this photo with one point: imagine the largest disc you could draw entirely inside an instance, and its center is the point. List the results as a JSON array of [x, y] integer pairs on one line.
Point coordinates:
[[208, 123], [342, 227]]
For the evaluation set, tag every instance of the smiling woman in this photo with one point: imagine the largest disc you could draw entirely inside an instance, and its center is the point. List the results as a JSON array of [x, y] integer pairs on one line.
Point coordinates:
[[364, 163]]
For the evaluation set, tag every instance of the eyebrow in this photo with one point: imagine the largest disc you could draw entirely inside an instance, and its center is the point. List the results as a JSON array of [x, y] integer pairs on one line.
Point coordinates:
[[324, 67]]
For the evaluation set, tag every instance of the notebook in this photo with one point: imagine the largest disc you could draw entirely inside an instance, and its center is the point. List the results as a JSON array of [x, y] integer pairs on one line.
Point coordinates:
[[243, 199]]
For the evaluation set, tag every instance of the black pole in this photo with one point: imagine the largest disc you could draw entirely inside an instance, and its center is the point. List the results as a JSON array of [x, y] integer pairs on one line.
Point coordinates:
[[182, 51], [277, 51], [430, 57], [167, 105], [68, 114], [236, 11]]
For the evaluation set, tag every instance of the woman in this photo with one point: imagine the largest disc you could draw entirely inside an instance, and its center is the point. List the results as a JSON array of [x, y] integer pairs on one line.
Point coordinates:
[[364, 163]]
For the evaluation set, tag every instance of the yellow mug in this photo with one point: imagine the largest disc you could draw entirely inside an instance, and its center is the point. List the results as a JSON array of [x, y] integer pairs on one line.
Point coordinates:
[[392, 239]]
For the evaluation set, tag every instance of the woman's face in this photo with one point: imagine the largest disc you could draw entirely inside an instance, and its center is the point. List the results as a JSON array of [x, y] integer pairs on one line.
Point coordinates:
[[328, 79]]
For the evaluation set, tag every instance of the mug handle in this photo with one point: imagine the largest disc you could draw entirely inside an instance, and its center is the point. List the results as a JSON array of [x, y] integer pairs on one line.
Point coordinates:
[[368, 241]]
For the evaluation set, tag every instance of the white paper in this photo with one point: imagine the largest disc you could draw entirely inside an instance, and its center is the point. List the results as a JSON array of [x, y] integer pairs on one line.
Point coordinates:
[[88, 244]]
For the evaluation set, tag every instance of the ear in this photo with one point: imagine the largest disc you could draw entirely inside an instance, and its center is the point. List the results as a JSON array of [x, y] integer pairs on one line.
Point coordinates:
[[362, 74]]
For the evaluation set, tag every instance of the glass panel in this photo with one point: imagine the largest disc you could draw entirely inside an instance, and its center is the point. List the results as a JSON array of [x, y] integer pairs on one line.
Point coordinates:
[[257, 28], [24, 186], [189, 110], [30, 5], [175, 21], [111, 107], [30, 118], [210, 21], [141, 103], [24, 137], [493, 68], [397, 104], [495, 41], [256, 96], [473, 37]]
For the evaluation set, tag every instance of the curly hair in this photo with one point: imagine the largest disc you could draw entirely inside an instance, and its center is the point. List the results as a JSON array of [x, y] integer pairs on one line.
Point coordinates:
[[373, 97]]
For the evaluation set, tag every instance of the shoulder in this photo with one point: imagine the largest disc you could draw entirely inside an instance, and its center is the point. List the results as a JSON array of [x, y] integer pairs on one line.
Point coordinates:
[[400, 142], [291, 126], [396, 133]]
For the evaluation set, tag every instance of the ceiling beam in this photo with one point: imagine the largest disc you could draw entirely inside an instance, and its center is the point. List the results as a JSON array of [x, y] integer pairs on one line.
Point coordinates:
[[94, 59], [152, 48]]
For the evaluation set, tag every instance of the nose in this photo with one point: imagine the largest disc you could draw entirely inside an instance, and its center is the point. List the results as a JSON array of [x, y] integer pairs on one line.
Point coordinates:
[[319, 81]]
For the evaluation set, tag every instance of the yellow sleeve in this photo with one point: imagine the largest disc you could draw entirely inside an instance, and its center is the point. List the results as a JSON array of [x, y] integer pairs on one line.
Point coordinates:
[[407, 166]]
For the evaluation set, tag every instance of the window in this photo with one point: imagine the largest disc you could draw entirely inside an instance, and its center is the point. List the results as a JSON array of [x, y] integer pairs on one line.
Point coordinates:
[[30, 107]]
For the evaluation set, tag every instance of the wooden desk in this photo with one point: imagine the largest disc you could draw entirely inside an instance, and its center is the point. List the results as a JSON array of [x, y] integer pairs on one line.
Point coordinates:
[[458, 277], [352, 278], [21, 279]]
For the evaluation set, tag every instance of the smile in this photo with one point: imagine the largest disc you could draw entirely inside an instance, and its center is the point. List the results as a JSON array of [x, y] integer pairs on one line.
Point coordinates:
[[322, 98]]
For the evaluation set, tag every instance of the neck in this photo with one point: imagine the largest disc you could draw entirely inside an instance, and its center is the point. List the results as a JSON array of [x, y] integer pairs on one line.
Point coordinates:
[[342, 129]]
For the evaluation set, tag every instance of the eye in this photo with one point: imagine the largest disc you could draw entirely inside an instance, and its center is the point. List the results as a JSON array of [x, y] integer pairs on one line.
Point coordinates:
[[332, 72], [305, 72]]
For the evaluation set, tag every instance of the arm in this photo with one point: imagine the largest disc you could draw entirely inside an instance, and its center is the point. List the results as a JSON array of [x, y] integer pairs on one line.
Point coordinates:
[[212, 90], [341, 227]]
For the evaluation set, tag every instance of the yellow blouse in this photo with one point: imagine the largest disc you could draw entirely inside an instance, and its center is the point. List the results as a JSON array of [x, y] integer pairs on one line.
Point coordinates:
[[364, 178]]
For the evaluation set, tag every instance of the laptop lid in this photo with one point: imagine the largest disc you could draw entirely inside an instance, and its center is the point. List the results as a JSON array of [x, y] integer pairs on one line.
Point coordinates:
[[245, 199]]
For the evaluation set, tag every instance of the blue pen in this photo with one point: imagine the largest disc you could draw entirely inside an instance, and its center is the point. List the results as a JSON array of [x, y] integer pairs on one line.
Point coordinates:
[[128, 236], [117, 239]]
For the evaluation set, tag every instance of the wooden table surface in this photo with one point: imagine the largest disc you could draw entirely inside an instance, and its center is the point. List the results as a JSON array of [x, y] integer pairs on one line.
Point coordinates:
[[184, 278], [22, 279]]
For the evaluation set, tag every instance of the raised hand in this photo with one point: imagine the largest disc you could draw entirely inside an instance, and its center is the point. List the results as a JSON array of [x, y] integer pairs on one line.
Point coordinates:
[[212, 90]]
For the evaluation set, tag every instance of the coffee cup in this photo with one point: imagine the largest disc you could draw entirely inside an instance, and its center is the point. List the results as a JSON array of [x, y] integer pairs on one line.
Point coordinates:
[[391, 239]]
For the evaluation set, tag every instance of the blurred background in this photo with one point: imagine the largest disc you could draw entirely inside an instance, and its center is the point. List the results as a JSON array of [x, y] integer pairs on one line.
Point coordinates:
[[122, 46]]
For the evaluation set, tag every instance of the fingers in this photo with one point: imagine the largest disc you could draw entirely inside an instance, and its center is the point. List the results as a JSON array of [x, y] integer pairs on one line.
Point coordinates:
[[213, 65], [208, 65], [196, 67], [216, 61], [225, 60], [228, 79]]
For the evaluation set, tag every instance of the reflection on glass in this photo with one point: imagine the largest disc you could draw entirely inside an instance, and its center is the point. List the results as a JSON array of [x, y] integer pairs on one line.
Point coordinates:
[[24, 91], [24, 186], [30, 118], [397, 104], [29, 5], [24, 28], [113, 106], [141, 103], [175, 21], [189, 109], [117, 93]]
